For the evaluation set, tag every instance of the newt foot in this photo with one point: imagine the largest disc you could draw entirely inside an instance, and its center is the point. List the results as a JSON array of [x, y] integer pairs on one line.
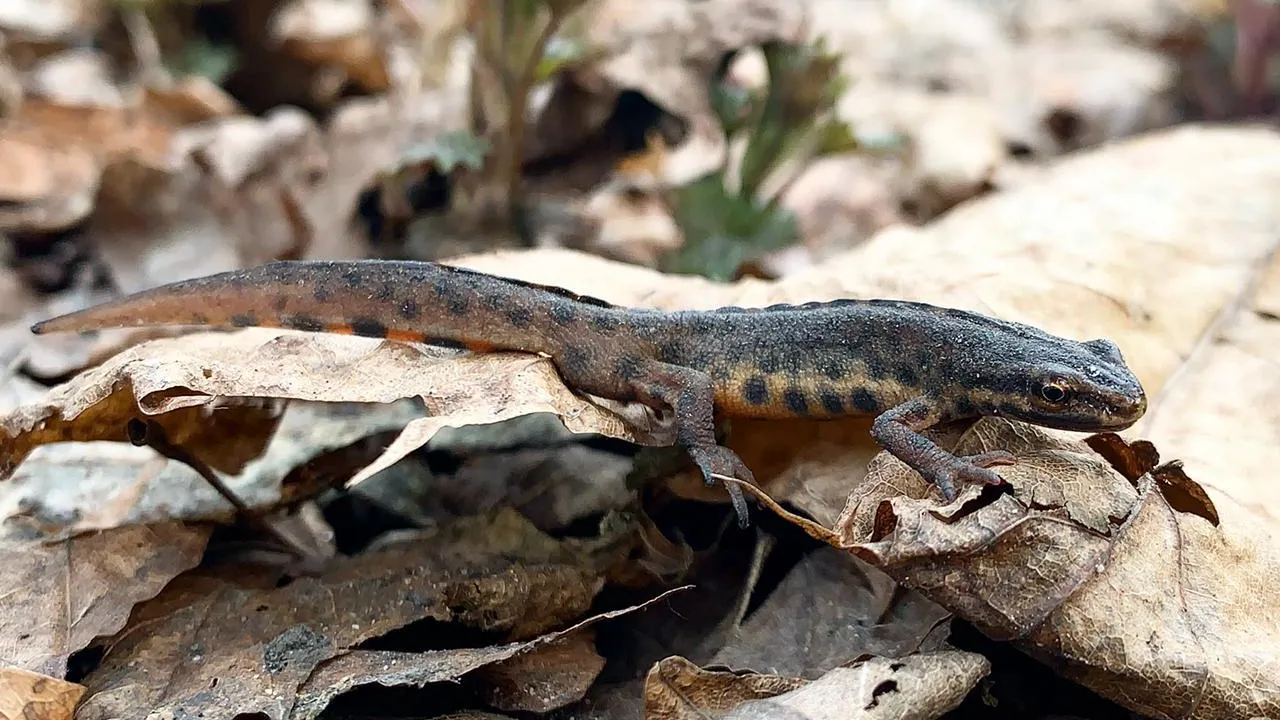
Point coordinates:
[[969, 469], [716, 460]]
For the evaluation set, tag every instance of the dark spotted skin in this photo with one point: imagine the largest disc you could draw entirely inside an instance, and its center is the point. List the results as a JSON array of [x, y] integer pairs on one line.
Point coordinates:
[[909, 364]]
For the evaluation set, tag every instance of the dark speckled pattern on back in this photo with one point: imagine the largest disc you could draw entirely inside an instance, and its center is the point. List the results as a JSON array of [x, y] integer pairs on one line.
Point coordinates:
[[812, 360]]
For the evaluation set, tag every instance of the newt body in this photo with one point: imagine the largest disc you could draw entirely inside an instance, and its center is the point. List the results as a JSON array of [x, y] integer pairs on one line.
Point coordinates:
[[909, 364]]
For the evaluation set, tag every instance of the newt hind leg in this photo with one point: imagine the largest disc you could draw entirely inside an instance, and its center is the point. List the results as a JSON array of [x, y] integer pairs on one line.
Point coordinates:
[[688, 395]]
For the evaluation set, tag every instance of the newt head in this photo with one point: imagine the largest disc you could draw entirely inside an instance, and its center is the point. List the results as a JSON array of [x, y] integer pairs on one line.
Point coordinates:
[[1080, 386]]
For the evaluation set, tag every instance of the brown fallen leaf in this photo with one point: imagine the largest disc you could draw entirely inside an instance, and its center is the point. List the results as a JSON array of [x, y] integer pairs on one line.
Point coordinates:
[[44, 186], [677, 688], [342, 37], [918, 686], [59, 597], [32, 696], [98, 405], [222, 642], [68, 488], [543, 679], [830, 609], [171, 379], [1151, 607], [1133, 460], [1221, 413], [391, 668]]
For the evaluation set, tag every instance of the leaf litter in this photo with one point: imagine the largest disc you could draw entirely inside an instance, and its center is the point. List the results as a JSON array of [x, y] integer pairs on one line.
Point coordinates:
[[1094, 549], [225, 641], [1068, 514]]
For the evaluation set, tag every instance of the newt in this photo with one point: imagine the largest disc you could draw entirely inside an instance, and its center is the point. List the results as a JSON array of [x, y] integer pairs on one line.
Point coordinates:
[[910, 365]]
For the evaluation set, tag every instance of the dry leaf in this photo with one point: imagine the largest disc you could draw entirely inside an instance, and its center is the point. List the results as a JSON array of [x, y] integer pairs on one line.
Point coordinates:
[[386, 667], [920, 686], [31, 696], [173, 378], [60, 152], [97, 405], [222, 643], [1102, 585], [59, 597], [1222, 415], [829, 609], [676, 688], [337, 34], [545, 678], [229, 194], [69, 488], [45, 187]]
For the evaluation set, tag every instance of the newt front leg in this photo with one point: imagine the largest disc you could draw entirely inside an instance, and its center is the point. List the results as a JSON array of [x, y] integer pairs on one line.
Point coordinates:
[[898, 431]]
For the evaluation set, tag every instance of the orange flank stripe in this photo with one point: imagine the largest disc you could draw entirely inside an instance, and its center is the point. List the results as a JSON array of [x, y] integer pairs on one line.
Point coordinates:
[[479, 346], [340, 329], [405, 336]]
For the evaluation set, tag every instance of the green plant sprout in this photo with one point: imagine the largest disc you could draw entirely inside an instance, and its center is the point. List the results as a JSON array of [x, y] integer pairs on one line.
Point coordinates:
[[733, 215]]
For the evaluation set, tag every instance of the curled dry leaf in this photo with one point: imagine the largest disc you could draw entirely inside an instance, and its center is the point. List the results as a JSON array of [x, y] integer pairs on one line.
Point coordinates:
[[1146, 605], [59, 597], [68, 488], [220, 643], [46, 187], [61, 152], [172, 378], [1223, 414], [97, 405], [32, 696], [545, 678], [388, 667], [337, 34], [830, 608], [920, 686], [229, 193], [677, 688]]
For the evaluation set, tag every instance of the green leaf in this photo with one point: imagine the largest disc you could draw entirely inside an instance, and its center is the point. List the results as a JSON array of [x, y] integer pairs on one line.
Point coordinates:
[[732, 105], [836, 137], [449, 150], [804, 80], [560, 53], [201, 57], [722, 231]]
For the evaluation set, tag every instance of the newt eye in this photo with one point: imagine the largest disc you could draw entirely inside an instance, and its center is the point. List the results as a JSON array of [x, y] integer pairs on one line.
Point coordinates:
[[1053, 392]]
